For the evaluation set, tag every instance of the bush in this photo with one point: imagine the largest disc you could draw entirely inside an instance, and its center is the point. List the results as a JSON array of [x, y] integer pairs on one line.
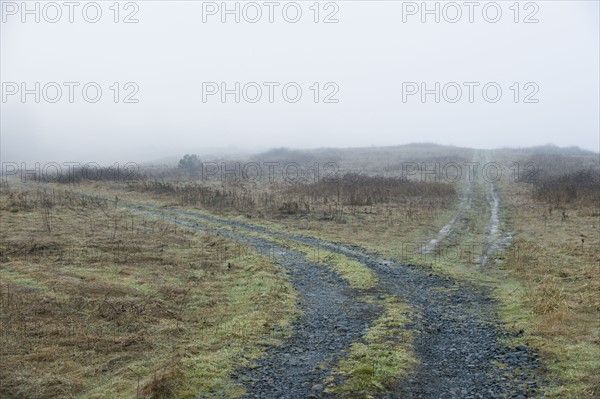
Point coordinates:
[[363, 190], [581, 186]]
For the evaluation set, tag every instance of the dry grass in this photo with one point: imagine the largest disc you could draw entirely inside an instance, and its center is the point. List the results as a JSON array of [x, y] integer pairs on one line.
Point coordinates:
[[560, 285], [548, 282], [163, 382], [402, 226], [105, 303]]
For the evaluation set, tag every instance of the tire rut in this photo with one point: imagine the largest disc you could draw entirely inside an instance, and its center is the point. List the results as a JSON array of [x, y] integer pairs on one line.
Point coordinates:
[[457, 338], [332, 318]]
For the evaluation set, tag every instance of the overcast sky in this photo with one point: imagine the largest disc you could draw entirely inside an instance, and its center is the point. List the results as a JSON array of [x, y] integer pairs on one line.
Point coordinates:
[[375, 64]]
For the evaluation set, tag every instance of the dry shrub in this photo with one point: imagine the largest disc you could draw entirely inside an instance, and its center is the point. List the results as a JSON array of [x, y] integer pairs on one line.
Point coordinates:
[[580, 186], [91, 173], [162, 383], [218, 198], [363, 190], [546, 297]]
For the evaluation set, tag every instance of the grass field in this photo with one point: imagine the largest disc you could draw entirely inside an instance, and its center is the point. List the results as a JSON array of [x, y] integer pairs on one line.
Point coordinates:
[[98, 301], [558, 284]]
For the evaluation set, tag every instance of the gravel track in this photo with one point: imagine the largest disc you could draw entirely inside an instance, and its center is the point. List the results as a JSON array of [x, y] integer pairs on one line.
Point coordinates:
[[457, 338], [332, 317]]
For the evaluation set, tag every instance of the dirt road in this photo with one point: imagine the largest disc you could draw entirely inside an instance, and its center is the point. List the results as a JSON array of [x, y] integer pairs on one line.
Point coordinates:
[[458, 340]]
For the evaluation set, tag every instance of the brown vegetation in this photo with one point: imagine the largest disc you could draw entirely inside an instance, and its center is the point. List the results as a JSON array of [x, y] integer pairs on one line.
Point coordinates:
[[103, 303], [555, 218]]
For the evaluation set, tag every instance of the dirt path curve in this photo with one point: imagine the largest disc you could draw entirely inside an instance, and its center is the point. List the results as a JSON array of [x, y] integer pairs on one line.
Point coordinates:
[[332, 317], [456, 335], [457, 338]]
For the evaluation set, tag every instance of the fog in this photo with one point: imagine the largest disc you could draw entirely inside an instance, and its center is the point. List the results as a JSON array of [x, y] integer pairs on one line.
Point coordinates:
[[368, 67]]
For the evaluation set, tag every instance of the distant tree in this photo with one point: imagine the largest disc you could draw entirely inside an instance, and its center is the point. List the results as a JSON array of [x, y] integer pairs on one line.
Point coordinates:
[[190, 162]]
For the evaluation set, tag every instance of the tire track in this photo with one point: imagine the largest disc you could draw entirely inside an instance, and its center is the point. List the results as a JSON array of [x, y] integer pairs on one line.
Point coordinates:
[[332, 317], [458, 340], [463, 206]]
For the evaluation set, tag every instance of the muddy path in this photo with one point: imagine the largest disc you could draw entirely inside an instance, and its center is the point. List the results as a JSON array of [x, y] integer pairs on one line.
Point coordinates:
[[493, 230], [477, 187], [457, 338], [464, 204]]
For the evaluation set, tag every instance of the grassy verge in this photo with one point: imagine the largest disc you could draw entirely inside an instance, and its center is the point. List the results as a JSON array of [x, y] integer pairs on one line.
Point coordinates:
[[97, 302], [558, 271]]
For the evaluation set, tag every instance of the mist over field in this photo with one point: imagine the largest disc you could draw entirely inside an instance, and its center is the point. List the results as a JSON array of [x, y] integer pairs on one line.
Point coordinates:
[[369, 61]]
